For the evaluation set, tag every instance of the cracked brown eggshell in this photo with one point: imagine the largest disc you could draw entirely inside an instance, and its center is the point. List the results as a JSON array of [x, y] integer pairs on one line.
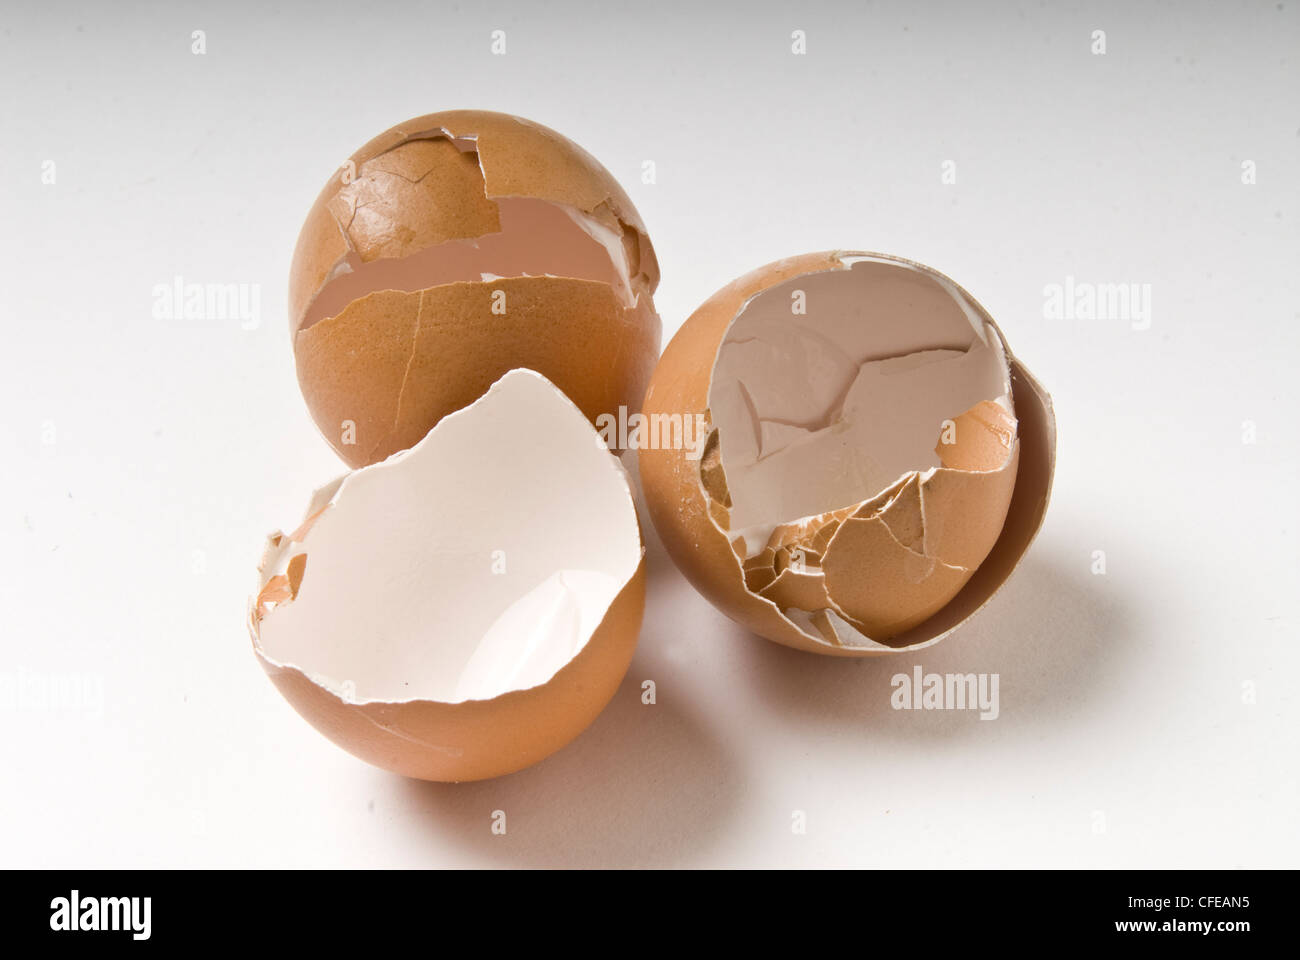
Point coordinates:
[[468, 606], [905, 563], [450, 249]]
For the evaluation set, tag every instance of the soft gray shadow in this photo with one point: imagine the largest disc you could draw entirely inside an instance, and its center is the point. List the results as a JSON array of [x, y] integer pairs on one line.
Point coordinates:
[[1055, 635], [644, 786]]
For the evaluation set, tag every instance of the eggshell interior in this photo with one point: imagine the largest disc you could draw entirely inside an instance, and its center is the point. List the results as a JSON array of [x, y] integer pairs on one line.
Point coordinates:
[[820, 409], [576, 246], [479, 565]]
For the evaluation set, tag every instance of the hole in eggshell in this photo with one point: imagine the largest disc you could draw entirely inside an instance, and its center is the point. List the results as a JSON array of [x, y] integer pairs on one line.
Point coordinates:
[[828, 394], [533, 237], [576, 246]]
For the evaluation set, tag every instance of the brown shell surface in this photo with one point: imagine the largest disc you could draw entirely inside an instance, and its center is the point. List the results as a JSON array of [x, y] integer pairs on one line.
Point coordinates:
[[393, 364]]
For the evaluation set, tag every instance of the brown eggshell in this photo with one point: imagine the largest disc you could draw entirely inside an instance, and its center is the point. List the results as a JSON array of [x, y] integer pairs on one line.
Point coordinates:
[[883, 586], [396, 363], [382, 623], [441, 179], [681, 512]]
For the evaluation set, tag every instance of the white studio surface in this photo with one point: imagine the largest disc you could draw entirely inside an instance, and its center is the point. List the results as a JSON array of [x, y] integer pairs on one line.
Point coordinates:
[[1147, 714]]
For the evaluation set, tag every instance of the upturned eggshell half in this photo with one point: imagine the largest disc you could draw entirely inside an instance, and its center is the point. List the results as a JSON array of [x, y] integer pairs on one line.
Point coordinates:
[[453, 248], [983, 504], [467, 607]]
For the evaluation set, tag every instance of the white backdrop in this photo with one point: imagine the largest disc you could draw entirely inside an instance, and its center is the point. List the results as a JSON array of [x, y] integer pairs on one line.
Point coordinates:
[[1148, 714]]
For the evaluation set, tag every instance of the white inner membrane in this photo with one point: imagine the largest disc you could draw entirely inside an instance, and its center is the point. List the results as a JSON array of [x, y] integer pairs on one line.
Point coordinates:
[[829, 387], [477, 562]]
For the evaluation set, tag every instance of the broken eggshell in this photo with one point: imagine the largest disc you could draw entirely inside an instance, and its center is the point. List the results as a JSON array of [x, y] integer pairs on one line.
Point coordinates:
[[878, 461], [468, 606], [453, 248]]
